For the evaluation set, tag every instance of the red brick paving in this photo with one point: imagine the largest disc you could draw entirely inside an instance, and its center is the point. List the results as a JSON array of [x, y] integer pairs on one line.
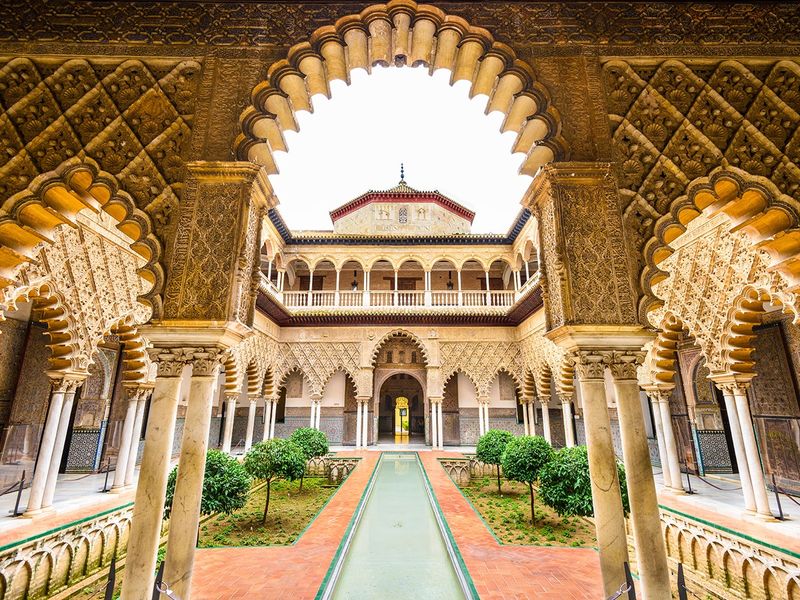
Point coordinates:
[[506, 571], [283, 571]]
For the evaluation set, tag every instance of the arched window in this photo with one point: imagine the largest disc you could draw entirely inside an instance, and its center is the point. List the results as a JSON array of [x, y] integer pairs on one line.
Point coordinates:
[[402, 215]]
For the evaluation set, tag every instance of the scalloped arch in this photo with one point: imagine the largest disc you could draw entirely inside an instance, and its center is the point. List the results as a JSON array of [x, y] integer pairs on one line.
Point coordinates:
[[53, 199], [399, 33], [399, 333], [752, 204]]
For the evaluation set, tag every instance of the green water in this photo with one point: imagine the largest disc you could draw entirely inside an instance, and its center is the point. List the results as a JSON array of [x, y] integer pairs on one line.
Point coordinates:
[[397, 550]]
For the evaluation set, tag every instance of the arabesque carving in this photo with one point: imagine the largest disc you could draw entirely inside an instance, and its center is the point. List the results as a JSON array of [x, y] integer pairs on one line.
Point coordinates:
[[481, 361]]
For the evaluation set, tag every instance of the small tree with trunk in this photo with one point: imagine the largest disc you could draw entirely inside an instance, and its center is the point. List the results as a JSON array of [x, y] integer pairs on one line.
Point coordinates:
[[490, 449], [225, 485], [566, 486], [523, 458], [313, 443], [275, 459]]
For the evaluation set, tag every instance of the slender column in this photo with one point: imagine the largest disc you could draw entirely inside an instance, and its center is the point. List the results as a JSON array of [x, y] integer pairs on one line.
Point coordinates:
[[530, 407], [516, 281], [358, 425], [268, 406], [662, 449], [434, 425], [670, 461], [319, 413], [481, 431], [439, 425], [130, 470], [488, 291], [651, 552], [365, 298], [274, 414], [336, 294], [460, 293], [566, 414], [59, 387], [428, 293], [58, 448], [365, 424], [133, 395], [527, 271], [185, 513], [525, 416], [251, 423], [313, 414], [738, 446], [230, 416], [310, 287], [546, 419], [140, 564], [751, 450], [395, 287], [609, 519], [269, 271]]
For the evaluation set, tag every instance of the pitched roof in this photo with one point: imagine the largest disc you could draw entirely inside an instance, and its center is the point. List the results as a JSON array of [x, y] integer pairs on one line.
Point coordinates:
[[402, 192]]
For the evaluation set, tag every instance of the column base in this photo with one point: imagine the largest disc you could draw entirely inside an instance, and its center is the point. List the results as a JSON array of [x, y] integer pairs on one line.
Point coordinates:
[[39, 512], [674, 491], [120, 489]]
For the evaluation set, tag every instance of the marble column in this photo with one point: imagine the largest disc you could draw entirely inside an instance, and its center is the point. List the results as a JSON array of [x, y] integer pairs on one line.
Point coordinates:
[[531, 408], [612, 540], [230, 417], [318, 413], [566, 414], [662, 449], [132, 394], [251, 423], [751, 450], [738, 445], [365, 424], [265, 435], [651, 551], [358, 425], [185, 514], [440, 424], [670, 444], [148, 511], [274, 416], [58, 448], [133, 453], [434, 425], [312, 415], [546, 419], [525, 416], [46, 446]]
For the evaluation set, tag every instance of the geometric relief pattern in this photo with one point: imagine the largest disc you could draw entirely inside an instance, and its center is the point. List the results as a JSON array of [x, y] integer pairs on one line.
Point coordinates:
[[481, 361], [318, 361], [772, 393], [133, 119], [673, 123]]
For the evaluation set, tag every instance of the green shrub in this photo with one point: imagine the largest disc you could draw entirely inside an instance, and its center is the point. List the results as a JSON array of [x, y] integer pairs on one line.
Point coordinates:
[[313, 443], [275, 459], [523, 458], [225, 485], [565, 484], [490, 449]]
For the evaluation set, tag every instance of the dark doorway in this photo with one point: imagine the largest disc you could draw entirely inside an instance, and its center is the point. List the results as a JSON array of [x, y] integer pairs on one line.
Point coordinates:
[[397, 386]]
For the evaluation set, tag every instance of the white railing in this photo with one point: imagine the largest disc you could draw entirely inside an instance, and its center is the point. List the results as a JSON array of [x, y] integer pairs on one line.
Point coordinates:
[[468, 300]]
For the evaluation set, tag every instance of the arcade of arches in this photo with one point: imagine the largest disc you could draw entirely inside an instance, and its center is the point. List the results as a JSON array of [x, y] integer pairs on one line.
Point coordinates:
[[644, 302]]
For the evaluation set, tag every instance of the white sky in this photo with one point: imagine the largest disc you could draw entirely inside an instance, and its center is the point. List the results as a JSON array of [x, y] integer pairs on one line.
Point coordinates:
[[356, 141]]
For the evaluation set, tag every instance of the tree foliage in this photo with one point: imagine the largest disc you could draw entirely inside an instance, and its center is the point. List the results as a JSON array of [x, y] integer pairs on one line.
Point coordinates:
[[275, 459], [491, 446], [225, 485], [523, 458], [313, 443], [565, 484]]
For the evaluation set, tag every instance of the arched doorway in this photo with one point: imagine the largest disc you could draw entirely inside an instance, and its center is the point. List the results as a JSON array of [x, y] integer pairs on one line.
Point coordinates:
[[401, 410]]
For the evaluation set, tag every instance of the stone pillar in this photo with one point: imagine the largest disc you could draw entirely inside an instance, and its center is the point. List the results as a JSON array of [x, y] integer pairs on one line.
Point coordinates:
[[251, 423], [531, 409], [130, 470], [358, 425], [609, 519], [439, 424], [58, 448], [670, 445], [230, 417], [312, 416], [318, 414], [365, 423], [140, 564], [651, 552], [185, 514], [265, 435], [751, 450], [481, 430], [274, 416], [738, 445], [546, 419], [133, 395], [662, 449], [566, 414], [525, 416]]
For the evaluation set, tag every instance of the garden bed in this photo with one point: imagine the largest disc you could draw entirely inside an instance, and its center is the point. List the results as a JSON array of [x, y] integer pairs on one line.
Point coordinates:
[[290, 512], [509, 516]]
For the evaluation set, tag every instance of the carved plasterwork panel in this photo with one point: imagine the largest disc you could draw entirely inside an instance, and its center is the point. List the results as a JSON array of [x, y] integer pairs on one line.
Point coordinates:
[[318, 361], [92, 285], [772, 392], [481, 361]]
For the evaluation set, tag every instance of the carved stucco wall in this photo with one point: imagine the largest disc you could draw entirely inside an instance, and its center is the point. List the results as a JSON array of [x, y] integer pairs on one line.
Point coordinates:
[[13, 335], [386, 217]]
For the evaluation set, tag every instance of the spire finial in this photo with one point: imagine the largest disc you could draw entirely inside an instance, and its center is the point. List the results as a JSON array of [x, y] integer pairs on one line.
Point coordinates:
[[402, 174]]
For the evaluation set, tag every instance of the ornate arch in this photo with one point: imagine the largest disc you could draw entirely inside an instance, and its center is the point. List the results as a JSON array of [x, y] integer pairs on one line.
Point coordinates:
[[416, 340], [401, 32], [753, 205]]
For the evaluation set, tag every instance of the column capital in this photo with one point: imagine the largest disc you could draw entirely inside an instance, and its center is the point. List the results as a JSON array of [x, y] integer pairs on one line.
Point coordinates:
[[624, 364], [316, 397], [66, 382], [205, 361], [589, 364], [732, 384], [526, 399], [134, 393], [483, 399], [169, 361], [363, 399], [659, 394], [435, 399], [565, 398]]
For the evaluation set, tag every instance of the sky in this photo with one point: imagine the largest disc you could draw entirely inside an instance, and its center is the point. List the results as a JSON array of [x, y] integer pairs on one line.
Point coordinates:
[[357, 139]]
